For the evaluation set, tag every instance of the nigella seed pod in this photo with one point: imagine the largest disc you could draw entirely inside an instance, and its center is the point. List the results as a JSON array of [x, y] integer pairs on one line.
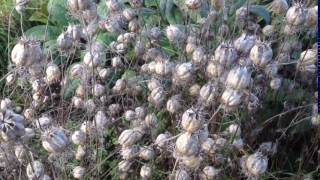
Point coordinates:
[[194, 90], [190, 48], [146, 153], [182, 174], [193, 4], [53, 74], [209, 173], [153, 84], [238, 78], [241, 16], [261, 54], [296, 15], [162, 140], [54, 140], [145, 172], [78, 102], [174, 104], [130, 152], [29, 134], [114, 109], [151, 120], [119, 86], [139, 48], [175, 34], [26, 53], [6, 104], [272, 70], [10, 79], [256, 164], [192, 120], [192, 162], [234, 130], [75, 32], [157, 96], [183, 73], [117, 62], [104, 73], [134, 25], [76, 71], [275, 83], [231, 98], [244, 43], [279, 6], [11, 125], [307, 57], [98, 90], [28, 113], [114, 5], [214, 70], [65, 41], [90, 15], [78, 172], [89, 105], [35, 170], [129, 137], [78, 138], [312, 16], [80, 153], [225, 54], [21, 153], [78, 5], [207, 94], [136, 3], [268, 30], [101, 120], [140, 112], [129, 13], [208, 146], [187, 144], [198, 56], [163, 68], [130, 115], [124, 166]]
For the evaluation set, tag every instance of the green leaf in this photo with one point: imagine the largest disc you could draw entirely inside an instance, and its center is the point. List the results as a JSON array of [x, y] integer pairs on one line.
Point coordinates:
[[146, 11], [41, 31], [236, 5], [105, 37], [260, 11], [39, 17], [150, 3], [71, 88], [162, 7], [58, 11], [129, 74], [102, 9]]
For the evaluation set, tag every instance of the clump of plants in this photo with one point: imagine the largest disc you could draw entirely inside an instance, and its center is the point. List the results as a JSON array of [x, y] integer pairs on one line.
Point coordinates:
[[169, 89]]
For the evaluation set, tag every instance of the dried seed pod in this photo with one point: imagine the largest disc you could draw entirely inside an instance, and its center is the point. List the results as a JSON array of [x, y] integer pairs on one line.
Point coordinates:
[[268, 30], [192, 120], [10, 79], [183, 73], [114, 5], [257, 164], [119, 86], [139, 48], [153, 84], [136, 3], [98, 90], [114, 109], [290, 30], [214, 70], [272, 70], [53, 74], [244, 43], [134, 25], [65, 41], [174, 104], [296, 15], [241, 16], [35, 170], [151, 120], [187, 144], [76, 71], [207, 94], [194, 90], [80, 153], [93, 59], [146, 172], [29, 134], [130, 152], [190, 48], [101, 120], [78, 172], [182, 174], [140, 112], [268, 148], [124, 165], [275, 83], [146, 153], [78, 5], [5, 104], [208, 146], [209, 173], [78, 102], [129, 137], [279, 6], [175, 34], [54, 140], [231, 98], [234, 130], [11, 125], [90, 15], [192, 162], [238, 78], [75, 32], [79, 138], [225, 54], [104, 73], [198, 56], [157, 96], [307, 57], [261, 54], [163, 68], [162, 140], [312, 16], [129, 13], [193, 4], [26, 53]]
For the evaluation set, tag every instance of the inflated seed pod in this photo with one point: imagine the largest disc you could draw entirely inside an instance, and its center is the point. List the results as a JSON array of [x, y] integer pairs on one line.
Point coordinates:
[[225, 54], [234, 130], [114, 5], [257, 164], [91, 29], [193, 4], [129, 152], [174, 104], [192, 120], [146, 172], [78, 172], [207, 94], [104, 73], [114, 109], [65, 41], [80, 153], [208, 146], [93, 59], [163, 68], [194, 90], [54, 140], [53, 73], [29, 134], [162, 140], [140, 112], [153, 84], [279, 6], [129, 137], [290, 30], [268, 30], [151, 120], [261, 54], [238, 78], [209, 173], [119, 86], [182, 174], [10, 79], [312, 16], [231, 98], [136, 3], [146, 153], [244, 43], [5, 104], [98, 90], [183, 73], [134, 25], [199, 56], [187, 144], [26, 53], [35, 170], [129, 13], [78, 5], [11, 125], [192, 162], [157, 96], [175, 34], [90, 15], [214, 70], [307, 57], [76, 70], [75, 32], [190, 48], [271, 70], [275, 83], [78, 102], [124, 165], [296, 15], [130, 115], [79, 138], [241, 16]]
